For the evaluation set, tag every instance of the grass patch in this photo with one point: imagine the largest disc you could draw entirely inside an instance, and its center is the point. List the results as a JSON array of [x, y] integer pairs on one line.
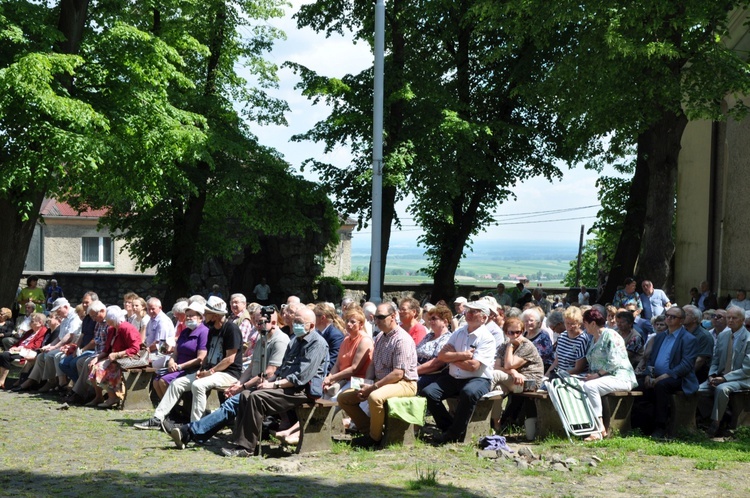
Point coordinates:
[[341, 447], [532, 472], [706, 465], [425, 478]]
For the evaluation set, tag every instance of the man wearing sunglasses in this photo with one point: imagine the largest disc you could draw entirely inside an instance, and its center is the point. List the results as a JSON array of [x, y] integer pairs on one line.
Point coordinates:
[[394, 370], [672, 362]]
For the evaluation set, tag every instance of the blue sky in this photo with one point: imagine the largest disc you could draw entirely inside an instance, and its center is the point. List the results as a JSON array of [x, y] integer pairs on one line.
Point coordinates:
[[530, 218]]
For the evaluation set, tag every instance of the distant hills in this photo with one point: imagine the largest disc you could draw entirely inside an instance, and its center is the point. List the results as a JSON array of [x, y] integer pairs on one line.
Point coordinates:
[[482, 250]]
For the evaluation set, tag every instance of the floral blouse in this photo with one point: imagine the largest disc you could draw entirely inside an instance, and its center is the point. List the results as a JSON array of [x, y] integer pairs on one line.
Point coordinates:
[[609, 354], [544, 345], [429, 347]]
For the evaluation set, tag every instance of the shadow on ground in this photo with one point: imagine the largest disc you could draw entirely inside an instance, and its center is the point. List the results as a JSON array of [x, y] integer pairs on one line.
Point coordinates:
[[176, 484]]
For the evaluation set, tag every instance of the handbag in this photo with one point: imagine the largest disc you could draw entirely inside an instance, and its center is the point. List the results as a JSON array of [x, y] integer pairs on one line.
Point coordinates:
[[138, 361]]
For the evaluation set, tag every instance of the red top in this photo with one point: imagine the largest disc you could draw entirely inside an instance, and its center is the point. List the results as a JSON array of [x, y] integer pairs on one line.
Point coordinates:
[[123, 338], [33, 342], [417, 332]]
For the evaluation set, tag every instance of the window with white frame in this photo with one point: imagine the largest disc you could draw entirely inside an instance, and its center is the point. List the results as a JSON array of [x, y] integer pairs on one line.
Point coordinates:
[[96, 251]]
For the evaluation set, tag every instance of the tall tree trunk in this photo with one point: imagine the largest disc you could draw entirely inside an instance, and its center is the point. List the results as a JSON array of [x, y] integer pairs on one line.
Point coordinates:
[[628, 248], [661, 146], [454, 239], [452, 244], [17, 229], [184, 246], [14, 244], [187, 224], [646, 243]]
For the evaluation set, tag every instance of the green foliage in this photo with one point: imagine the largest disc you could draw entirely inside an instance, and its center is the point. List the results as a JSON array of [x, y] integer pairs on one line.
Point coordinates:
[[357, 275], [458, 134], [150, 122], [330, 289], [706, 465]]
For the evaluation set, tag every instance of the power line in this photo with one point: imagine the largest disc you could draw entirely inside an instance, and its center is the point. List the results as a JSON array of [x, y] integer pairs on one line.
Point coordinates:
[[365, 232], [530, 213]]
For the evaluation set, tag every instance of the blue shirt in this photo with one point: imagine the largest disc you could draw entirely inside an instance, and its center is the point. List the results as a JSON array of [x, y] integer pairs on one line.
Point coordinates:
[[653, 305], [661, 365]]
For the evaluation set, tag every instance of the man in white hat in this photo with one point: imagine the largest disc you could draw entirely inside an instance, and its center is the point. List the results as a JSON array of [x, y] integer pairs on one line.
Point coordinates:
[[220, 369], [460, 306], [470, 355]]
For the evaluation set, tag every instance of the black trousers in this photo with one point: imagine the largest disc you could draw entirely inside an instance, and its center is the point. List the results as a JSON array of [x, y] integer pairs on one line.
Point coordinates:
[[256, 405]]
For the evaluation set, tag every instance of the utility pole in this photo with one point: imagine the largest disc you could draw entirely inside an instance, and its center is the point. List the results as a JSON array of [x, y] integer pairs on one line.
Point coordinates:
[[377, 154]]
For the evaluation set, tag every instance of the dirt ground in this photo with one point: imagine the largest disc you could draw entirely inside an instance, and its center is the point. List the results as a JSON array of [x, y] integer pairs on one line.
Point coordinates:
[[46, 451]]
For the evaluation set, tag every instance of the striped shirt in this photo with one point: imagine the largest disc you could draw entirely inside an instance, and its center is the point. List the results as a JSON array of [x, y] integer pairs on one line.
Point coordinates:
[[569, 351]]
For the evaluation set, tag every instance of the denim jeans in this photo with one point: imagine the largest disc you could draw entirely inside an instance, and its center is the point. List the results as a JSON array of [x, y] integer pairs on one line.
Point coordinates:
[[68, 364], [205, 428]]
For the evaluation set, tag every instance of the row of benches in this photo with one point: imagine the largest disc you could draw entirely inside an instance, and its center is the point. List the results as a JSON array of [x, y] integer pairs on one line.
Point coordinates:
[[319, 421]]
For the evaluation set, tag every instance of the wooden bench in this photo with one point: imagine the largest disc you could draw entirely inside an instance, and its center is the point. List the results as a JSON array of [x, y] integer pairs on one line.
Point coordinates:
[[396, 431], [315, 423], [480, 423], [139, 394], [616, 411], [137, 382], [682, 414], [739, 407]]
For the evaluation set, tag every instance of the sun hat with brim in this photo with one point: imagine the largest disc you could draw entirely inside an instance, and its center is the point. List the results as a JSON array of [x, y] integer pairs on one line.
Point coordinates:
[[492, 303], [197, 307], [59, 302], [480, 305], [461, 300], [216, 305]]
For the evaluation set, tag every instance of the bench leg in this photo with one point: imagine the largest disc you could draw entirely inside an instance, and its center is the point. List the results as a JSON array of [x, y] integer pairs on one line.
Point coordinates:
[[137, 391], [739, 405], [682, 414], [396, 431], [480, 423], [616, 413], [547, 419], [315, 428]]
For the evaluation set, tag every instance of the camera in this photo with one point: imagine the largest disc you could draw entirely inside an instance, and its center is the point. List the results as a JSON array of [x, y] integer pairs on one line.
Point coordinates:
[[267, 311], [265, 317]]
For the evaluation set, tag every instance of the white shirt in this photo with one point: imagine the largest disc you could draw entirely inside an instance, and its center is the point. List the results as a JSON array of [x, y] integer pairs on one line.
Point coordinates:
[[71, 324], [484, 351]]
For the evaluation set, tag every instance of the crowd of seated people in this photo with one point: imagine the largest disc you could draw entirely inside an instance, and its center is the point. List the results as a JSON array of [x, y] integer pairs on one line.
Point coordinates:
[[267, 362]]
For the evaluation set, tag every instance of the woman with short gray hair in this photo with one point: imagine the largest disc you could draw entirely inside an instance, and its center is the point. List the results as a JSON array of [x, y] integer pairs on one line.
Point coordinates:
[[123, 340]]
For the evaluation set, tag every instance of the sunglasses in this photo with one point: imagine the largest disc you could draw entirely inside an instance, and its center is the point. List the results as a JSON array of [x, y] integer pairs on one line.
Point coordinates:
[[672, 316], [381, 317], [718, 317]]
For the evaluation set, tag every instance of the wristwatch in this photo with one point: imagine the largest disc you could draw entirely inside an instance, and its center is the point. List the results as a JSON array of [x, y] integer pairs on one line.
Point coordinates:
[[277, 384]]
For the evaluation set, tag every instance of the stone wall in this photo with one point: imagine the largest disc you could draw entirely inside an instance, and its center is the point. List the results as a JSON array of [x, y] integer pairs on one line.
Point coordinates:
[[109, 287]]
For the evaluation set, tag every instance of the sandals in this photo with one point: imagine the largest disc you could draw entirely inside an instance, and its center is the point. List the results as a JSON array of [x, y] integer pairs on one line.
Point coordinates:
[[596, 436]]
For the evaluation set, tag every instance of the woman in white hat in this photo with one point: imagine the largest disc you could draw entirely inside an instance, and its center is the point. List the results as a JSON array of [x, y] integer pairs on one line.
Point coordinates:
[[189, 352]]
